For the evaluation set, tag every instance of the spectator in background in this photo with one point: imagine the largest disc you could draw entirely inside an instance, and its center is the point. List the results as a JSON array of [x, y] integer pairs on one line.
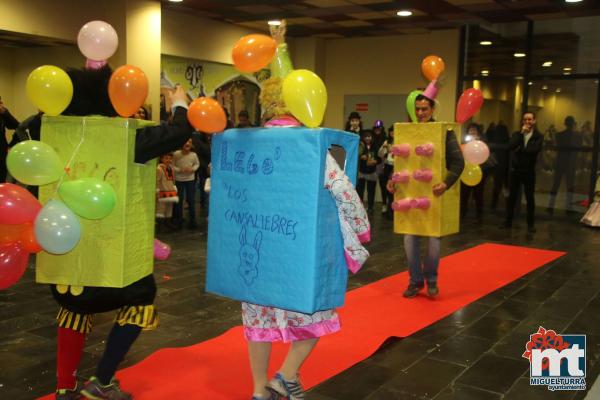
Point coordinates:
[[525, 145], [201, 145], [7, 121], [142, 113], [185, 163], [474, 132], [379, 137], [244, 120], [385, 153], [367, 169], [354, 123], [568, 142], [498, 140]]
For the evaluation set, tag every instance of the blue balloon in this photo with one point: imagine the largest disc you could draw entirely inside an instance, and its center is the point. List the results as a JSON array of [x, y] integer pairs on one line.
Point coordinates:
[[57, 228]]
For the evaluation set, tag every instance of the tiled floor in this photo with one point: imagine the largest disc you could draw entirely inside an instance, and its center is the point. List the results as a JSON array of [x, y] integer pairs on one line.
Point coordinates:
[[474, 353]]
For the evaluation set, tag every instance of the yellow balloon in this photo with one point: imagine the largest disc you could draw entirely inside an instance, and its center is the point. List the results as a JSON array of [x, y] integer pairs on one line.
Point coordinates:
[[471, 175], [50, 89], [305, 95]]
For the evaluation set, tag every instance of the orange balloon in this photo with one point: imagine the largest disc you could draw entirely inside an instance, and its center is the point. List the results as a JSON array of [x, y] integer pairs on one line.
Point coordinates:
[[432, 67], [253, 52], [28, 241], [10, 233], [127, 89], [207, 115]]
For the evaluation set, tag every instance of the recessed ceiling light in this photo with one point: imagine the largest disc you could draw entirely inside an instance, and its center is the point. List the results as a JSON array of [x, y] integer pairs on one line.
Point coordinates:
[[545, 87], [547, 64], [567, 69], [175, 1], [573, 1], [530, 83], [485, 72], [485, 43], [566, 73], [519, 78], [404, 13], [274, 22], [519, 55], [557, 90]]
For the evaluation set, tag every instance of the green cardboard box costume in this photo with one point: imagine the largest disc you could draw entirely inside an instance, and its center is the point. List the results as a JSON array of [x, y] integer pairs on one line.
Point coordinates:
[[117, 250]]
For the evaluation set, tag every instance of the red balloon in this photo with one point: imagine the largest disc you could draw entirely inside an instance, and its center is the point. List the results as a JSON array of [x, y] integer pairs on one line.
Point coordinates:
[[13, 262], [17, 205], [468, 105], [28, 239], [207, 115]]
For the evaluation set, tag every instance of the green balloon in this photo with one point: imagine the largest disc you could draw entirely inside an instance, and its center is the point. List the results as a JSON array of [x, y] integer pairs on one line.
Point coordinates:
[[89, 198], [281, 65], [410, 104], [34, 163]]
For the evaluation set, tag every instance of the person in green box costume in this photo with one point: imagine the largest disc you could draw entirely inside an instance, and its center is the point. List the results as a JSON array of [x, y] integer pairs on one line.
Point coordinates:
[[134, 302]]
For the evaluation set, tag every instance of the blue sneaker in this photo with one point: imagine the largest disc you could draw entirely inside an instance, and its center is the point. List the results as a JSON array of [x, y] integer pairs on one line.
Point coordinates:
[[290, 390]]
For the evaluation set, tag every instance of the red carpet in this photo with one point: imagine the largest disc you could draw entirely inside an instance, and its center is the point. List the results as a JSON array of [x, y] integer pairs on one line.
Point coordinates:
[[218, 369]]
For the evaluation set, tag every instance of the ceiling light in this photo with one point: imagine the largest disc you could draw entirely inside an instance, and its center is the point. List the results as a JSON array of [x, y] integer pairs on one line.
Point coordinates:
[[566, 73], [274, 22], [547, 64], [404, 13], [519, 55], [485, 43], [545, 87], [557, 90], [485, 72], [567, 69], [573, 1], [175, 1], [530, 83], [518, 78]]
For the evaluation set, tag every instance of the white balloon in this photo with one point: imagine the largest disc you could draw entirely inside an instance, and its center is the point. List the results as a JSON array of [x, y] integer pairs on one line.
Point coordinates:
[[57, 228], [476, 152], [97, 40]]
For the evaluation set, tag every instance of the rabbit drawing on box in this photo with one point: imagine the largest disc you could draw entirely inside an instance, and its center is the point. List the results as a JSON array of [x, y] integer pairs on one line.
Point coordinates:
[[249, 256]]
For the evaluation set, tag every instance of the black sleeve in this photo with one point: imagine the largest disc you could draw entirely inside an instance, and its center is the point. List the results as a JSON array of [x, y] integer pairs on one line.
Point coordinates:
[[10, 122], [534, 145], [152, 141], [516, 141], [455, 162]]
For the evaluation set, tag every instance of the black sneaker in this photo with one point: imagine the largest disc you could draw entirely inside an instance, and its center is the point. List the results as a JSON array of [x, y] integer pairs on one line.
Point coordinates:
[[432, 289], [66, 394], [412, 290]]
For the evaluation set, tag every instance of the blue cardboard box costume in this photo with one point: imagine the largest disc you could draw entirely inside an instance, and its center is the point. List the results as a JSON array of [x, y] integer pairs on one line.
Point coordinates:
[[274, 234]]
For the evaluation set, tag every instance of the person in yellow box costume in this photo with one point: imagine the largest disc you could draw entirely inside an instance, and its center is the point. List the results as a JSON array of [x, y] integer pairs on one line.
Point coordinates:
[[133, 302], [455, 163]]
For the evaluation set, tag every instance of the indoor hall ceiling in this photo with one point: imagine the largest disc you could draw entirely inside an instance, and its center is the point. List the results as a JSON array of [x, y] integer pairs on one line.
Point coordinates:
[[346, 18]]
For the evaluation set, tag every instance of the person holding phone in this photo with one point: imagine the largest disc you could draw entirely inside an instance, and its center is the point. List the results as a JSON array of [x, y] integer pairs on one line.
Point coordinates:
[[7, 121]]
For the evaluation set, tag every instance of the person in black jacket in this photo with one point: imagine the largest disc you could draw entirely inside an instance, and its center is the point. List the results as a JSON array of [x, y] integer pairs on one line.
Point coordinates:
[[525, 145], [134, 303], [10, 122], [367, 168]]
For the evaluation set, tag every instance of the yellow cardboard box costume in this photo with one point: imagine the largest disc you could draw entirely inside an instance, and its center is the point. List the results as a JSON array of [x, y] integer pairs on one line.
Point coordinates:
[[420, 161]]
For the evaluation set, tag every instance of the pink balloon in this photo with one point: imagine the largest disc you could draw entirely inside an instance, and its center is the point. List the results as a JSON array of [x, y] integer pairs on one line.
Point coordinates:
[[17, 205], [401, 176], [476, 152], [468, 105], [13, 262], [93, 64], [162, 251], [402, 150], [97, 40], [402, 205]]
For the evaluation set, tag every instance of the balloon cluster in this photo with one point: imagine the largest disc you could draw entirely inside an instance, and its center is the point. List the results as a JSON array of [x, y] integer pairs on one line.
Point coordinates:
[[431, 67], [475, 153], [303, 92]]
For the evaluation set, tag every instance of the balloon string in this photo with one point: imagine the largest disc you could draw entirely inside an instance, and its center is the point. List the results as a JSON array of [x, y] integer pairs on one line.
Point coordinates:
[[67, 168]]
